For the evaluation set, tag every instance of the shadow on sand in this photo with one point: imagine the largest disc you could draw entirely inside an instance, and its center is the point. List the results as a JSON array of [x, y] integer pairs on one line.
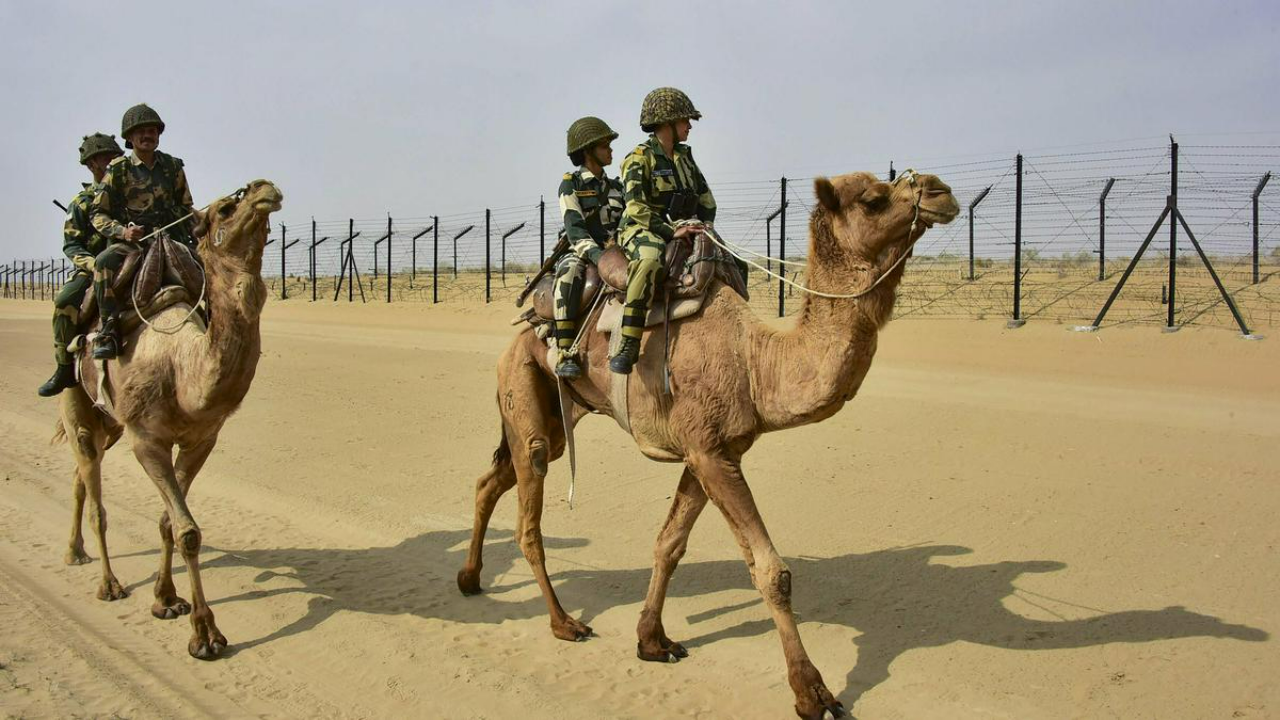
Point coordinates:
[[898, 599]]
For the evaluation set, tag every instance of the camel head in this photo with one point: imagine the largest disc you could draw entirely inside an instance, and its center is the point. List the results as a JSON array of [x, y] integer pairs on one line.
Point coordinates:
[[870, 219], [235, 228]]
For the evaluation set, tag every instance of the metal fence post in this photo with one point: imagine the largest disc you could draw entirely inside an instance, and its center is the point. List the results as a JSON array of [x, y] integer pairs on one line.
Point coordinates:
[[1102, 229], [1258, 191], [506, 235], [435, 259], [1173, 232], [972, 206], [284, 292], [1017, 320], [782, 250], [388, 257], [487, 278], [542, 230]]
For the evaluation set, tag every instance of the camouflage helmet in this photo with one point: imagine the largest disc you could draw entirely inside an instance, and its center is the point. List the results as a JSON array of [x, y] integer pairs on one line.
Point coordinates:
[[664, 105], [587, 131], [136, 117], [96, 144]]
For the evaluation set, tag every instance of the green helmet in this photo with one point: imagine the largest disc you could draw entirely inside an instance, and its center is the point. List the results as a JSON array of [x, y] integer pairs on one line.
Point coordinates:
[[664, 105], [96, 144], [136, 117], [587, 131]]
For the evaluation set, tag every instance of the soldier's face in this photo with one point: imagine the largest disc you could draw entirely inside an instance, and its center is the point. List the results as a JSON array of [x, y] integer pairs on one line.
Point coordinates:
[[682, 129], [98, 163], [145, 138], [603, 153]]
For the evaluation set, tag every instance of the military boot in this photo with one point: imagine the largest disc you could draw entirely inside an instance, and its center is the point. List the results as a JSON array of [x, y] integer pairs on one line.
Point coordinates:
[[627, 356], [63, 378], [107, 344], [568, 367]]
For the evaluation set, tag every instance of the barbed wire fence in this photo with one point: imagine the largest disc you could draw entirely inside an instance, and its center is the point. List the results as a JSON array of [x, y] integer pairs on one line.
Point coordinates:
[[1040, 237]]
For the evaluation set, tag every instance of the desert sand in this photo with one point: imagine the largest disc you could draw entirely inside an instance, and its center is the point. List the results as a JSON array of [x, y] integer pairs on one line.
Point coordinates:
[[1027, 523]]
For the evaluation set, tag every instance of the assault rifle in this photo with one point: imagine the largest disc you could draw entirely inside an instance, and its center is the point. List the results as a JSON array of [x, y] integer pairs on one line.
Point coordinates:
[[61, 207], [562, 247]]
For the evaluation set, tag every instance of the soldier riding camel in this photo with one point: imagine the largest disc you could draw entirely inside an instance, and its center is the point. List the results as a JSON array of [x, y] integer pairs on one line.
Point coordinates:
[[591, 204], [141, 193], [661, 186], [81, 243]]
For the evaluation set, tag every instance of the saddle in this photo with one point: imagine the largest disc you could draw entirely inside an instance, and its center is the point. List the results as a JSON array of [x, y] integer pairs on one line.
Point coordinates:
[[690, 264], [158, 276]]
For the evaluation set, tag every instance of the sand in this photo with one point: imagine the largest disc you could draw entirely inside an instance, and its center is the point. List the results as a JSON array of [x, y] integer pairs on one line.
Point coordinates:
[[1026, 523]]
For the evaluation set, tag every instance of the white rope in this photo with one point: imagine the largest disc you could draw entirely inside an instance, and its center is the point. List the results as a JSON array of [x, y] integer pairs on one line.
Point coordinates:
[[909, 175]]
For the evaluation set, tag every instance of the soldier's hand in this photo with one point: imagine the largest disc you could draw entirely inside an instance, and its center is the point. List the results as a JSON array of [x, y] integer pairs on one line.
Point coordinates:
[[134, 232], [686, 230]]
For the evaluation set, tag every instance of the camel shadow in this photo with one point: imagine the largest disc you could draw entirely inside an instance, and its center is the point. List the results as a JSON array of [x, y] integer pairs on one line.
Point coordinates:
[[899, 599]]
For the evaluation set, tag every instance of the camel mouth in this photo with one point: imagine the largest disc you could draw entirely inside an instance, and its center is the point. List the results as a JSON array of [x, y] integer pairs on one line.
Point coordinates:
[[933, 216]]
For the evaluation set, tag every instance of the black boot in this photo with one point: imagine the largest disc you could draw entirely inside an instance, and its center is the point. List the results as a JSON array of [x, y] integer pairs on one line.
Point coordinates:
[[568, 367], [63, 378], [627, 356], [107, 345]]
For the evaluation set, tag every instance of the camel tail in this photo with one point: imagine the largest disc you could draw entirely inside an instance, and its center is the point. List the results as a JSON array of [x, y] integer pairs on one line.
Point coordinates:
[[502, 456], [59, 434]]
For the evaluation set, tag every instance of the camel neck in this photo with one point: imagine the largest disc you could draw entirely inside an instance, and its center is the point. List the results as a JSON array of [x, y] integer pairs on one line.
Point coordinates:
[[236, 296], [807, 373]]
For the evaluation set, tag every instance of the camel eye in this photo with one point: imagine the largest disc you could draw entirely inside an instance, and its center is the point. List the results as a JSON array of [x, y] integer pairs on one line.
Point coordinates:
[[226, 209]]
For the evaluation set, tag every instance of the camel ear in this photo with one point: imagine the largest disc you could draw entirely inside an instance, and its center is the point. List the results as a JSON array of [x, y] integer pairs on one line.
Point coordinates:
[[827, 195], [199, 223], [875, 197]]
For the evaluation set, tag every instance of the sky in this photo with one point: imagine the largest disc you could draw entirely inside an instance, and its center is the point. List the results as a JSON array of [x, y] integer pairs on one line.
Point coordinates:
[[431, 108]]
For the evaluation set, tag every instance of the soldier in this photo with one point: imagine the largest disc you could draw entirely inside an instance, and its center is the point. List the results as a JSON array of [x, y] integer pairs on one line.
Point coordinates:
[[141, 193], [80, 243], [661, 184], [591, 205]]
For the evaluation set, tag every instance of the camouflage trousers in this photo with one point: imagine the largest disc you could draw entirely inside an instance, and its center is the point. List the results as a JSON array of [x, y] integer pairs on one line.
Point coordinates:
[[567, 292], [66, 313], [105, 267], [645, 252]]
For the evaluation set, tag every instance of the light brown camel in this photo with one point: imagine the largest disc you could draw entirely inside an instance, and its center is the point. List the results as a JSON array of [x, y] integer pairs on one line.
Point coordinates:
[[733, 379], [177, 390]]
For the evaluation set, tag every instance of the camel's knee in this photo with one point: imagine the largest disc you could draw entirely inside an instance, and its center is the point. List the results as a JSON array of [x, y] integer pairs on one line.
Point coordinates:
[[669, 554], [531, 545], [78, 490], [774, 582], [98, 516], [188, 541]]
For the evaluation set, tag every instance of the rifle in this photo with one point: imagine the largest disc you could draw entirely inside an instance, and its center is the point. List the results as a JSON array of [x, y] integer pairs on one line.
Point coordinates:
[[562, 247], [61, 207]]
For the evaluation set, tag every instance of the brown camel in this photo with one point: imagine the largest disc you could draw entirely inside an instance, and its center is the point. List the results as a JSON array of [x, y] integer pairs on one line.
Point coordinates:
[[733, 379], [177, 389]]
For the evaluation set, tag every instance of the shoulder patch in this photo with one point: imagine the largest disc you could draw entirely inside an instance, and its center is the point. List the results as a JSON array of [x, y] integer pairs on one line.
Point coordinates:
[[567, 176], [116, 160]]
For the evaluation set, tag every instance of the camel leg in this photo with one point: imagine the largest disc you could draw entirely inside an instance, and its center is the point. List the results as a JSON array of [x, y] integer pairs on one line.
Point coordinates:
[[653, 642], [723, 481], [75, 548], [489, 489], [87, 439], [168, 605], [156, 459]]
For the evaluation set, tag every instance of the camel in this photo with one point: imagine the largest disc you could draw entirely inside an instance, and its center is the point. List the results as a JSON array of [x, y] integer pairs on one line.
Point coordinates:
[[177, 389], [733, 379]]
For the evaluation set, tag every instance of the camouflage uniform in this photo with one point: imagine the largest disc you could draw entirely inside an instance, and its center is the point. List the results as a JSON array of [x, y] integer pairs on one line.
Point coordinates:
[[151, 197], [650, 181], [591, 206], [81, 242]]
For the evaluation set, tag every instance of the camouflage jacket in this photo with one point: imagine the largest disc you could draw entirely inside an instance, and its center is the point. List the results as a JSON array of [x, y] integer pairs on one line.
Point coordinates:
[[152, 196], [591, 207], [650, 178], [81, 241]]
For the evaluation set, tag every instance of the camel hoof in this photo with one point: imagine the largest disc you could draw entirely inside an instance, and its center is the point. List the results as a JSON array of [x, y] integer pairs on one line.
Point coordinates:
[[112, 590], [672, 653], [170, 609], [77, 556], [826, 703], [469, 583], [572, 630], [201, 649]]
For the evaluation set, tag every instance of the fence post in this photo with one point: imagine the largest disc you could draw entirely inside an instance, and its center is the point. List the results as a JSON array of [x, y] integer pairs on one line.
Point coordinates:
[[893, 174], [506, 235], [1017, 320], [1258, 191], [388, 257], [782, 250], [972, 206], [542, 230], [1102, 229], [284, 292], [435, 259], [487, 278], [1173, 232]]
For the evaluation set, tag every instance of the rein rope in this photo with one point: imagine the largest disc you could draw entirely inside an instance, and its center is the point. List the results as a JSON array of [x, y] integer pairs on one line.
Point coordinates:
[[909, 175]]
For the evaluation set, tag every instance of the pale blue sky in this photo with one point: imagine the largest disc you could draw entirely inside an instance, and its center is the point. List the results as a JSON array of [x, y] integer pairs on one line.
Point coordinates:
[[420, 108]]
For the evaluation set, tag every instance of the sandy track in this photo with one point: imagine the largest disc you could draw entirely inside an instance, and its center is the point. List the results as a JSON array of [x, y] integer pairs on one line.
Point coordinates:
[[1004, 524]]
